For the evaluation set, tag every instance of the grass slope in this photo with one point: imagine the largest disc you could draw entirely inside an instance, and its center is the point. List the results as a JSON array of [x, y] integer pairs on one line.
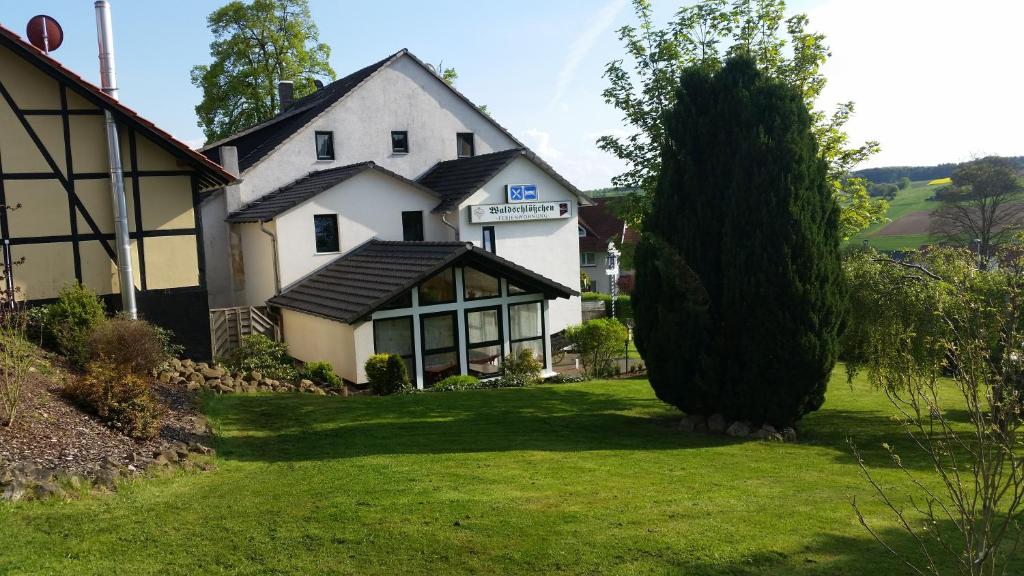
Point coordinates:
[[907, 202], [570, 479]]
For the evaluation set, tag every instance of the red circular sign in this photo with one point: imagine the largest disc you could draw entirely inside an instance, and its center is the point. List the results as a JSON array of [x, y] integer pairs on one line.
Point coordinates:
[[44, 33]]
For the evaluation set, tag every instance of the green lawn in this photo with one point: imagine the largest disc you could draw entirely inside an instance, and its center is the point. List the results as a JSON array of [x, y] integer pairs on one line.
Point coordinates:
[[566, 479]]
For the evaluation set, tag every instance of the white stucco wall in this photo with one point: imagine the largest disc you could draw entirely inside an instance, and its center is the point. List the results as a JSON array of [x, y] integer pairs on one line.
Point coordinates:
[[368, 205], [258, 260], [315, 339], [401, 96], [547, 247]]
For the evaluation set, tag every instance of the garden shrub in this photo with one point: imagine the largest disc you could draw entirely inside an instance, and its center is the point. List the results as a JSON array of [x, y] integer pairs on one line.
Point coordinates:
[[70, 320], [259, 353], [458, 382], [387, 373], [518, 370], [564, 379], [598, 342], [135, 345], [118, 396], [321, 372]]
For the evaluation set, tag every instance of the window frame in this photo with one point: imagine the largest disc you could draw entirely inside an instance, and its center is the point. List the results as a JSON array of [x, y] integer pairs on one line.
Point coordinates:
[[458, 144], [493, 238], [543, 329], [407, 147], [316, 143], [593, 260], [424, 351], [337, 234], [412, 340], [405, 236], [500, 342]]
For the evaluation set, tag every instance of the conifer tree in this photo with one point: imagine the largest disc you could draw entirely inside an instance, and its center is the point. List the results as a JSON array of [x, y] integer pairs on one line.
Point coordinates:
[[739, 296]]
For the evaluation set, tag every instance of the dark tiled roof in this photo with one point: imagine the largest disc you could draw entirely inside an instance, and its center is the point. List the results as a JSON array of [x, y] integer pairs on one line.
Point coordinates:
[[356, 284], [601, 224], [277, 202], [258, 141], [210, 174], [456, 180]]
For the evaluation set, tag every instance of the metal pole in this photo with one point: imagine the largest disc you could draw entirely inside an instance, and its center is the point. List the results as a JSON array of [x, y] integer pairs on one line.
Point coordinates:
[[108, 79]]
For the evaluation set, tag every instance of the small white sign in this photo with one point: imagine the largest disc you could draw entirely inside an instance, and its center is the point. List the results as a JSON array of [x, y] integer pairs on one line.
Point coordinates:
[[522, 193], [519, 212]]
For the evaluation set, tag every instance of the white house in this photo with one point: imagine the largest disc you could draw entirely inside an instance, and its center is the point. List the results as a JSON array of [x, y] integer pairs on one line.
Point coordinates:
[[392, 158]]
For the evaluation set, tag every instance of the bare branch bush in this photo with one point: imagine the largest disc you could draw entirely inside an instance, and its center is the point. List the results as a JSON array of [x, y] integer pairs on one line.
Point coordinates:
[[961, 325], [16, 361]]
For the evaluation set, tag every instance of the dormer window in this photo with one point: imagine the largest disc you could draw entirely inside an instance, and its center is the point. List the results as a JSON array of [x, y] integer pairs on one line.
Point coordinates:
[[464, 144], [400, 142], [325, 145]]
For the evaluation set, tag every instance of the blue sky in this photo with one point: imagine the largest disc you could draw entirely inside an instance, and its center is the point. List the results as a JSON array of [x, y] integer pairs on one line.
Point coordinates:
[[927, 74]]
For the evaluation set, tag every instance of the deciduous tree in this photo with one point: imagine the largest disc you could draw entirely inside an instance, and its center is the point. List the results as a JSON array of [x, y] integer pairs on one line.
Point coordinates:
[[702, 35], [983, 204], [255, 46]]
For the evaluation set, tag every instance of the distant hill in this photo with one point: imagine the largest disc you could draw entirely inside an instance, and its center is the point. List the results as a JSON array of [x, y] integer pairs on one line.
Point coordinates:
[[892, 174], [609, 192]]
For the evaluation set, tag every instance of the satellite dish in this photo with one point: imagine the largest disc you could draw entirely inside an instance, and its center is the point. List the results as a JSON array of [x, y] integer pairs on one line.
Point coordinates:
[[44, 33]]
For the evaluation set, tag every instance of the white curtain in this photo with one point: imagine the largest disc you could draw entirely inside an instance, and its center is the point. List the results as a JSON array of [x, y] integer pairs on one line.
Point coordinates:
[[525, 321], [483, 326]]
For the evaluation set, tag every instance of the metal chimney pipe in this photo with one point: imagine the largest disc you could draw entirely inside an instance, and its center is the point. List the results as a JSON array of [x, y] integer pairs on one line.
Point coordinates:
[[108, 81]]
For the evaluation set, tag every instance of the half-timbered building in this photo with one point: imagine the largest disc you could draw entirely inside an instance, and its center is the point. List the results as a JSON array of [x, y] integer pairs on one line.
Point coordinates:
[[58, 225]]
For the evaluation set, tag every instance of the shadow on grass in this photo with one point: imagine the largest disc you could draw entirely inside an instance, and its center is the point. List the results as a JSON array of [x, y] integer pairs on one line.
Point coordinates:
[[546, 418], [831, 554], [277, 428]]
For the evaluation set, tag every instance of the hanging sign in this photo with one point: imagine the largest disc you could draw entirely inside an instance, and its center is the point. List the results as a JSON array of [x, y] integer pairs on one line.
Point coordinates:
[[522, 212], [522, 193]]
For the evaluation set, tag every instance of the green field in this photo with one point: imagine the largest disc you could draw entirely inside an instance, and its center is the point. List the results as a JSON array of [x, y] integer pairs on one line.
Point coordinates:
[[565, 479], [907, 202]]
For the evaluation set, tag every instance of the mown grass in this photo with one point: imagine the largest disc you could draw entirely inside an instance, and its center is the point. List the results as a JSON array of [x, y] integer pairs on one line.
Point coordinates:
[[568, 479]]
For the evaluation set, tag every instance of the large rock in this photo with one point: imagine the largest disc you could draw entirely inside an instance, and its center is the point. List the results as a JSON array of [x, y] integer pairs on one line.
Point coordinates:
[[14, 491], [106, 478], [767, 432], [47, 490], [197, 378], [255, 376], [717, 423], [692, 423], [209, 372], [165, 376], [789, 434], [738, 430]]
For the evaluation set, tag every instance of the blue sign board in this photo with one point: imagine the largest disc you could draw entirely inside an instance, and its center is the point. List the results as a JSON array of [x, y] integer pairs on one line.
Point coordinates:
[[522, 193]]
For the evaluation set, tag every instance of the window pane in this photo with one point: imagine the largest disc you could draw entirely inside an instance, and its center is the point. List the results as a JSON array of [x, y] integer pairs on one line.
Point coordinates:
[[586, 258], [439, 366], [485, 360], [400, 142], [482, 326], [464, 143], [488, 241], [403, 300], [479, 285], [412, 226], [325, 146], [535, 346], [438, 289], [393, 336], [513, 289], [525, 321], [326, 226], [439, 332]]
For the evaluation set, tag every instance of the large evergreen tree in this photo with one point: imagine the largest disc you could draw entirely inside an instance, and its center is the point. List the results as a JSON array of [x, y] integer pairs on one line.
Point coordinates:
[[738, 300]]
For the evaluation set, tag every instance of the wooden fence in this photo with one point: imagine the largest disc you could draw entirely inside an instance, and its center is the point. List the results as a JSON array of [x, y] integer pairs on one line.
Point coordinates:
[[229, 325]]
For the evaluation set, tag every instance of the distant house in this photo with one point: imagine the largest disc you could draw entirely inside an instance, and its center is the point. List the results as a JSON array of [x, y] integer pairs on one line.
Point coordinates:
[[386, 213], [54, 165], [598, 225]]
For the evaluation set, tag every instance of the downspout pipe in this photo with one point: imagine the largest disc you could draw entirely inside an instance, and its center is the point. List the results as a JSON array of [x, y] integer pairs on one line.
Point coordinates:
[[108, 81], [277, 266], [444, 218]]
